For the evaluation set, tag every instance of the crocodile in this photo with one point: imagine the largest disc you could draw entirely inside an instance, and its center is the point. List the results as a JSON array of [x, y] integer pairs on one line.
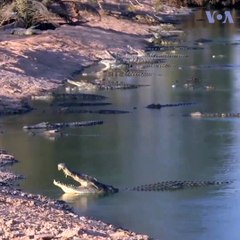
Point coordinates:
[[140, 58], [169, 48], [103, 84], [164, 42], [128, 73], [6, 158], [90, 185], [214, 115], [52, 126], [84, 111], [159, 106], [13, 109], [65, 96], [83, 104]]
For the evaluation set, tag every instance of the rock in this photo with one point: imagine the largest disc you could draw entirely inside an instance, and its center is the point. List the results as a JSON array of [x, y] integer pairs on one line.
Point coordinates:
[[69, 233], [47, 97], [26, 32], [46, 236]]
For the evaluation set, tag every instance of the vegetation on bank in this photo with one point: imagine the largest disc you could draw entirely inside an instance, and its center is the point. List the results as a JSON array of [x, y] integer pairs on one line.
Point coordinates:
[[52, 13], [28, 13]]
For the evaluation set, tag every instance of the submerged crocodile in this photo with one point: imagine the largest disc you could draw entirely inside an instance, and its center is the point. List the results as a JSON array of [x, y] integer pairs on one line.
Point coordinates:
[[83, 104], [104, 84], [214, 115], [69, 97], [84, 111], [51, 126], [159, 106], [90, 185]]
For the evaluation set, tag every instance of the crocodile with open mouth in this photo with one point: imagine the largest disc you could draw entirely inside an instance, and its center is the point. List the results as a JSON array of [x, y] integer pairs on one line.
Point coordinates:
[[90, 185], [87, 183]]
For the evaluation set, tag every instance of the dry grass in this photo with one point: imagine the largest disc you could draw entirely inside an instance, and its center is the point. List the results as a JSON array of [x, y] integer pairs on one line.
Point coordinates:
[[34, 12]]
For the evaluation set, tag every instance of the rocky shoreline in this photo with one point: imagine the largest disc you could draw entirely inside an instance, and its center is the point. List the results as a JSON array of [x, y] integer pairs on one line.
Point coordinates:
[[28, 216]]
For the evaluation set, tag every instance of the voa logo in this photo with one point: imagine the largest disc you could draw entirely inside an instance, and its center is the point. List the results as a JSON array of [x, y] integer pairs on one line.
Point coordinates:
[[225, 17]]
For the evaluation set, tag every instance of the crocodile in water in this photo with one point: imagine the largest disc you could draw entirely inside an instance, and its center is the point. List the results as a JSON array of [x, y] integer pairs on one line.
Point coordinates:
[[47, 125], [90, 185], [214, 115], [159, 106]]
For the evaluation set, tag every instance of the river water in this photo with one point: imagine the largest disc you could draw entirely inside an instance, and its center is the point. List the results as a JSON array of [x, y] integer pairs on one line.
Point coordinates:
[[146, 146]]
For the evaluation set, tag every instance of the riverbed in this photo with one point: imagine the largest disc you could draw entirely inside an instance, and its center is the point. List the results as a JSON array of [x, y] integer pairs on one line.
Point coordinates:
[[146, 146]]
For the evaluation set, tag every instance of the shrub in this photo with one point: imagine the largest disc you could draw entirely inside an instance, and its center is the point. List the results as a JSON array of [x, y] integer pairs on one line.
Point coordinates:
[[35, 12]]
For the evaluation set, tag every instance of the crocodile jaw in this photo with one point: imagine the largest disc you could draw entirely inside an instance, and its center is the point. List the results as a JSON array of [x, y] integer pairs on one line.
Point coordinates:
[[83, 188], [67, 188], [70, 189], [67, 173]]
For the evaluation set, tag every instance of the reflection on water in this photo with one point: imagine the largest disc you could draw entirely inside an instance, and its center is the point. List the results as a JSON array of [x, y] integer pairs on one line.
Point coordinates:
[[80, 202], [146, 146]]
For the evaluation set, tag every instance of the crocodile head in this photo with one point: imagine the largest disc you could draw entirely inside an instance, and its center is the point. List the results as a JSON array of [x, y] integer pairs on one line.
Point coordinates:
[[87, 184]]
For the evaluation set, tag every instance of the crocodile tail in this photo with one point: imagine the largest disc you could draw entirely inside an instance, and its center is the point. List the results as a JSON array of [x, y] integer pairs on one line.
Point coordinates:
[[175, 185], [178, 104]]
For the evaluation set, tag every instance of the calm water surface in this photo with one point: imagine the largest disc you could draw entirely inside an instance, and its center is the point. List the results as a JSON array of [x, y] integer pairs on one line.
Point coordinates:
[[146, 146]]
